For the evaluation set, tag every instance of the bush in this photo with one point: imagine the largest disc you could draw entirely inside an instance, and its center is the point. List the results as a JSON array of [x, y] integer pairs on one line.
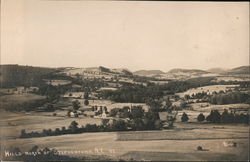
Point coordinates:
[[184, 117], [200, 117]]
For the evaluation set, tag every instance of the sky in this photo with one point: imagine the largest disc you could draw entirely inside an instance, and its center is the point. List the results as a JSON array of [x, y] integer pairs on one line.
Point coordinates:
[[125, 34]]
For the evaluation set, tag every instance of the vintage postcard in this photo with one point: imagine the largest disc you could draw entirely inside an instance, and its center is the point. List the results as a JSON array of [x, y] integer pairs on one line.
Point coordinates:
[[117, 80]]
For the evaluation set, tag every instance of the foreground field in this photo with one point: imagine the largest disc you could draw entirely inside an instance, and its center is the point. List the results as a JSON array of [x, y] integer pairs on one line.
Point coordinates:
[[177, 144]]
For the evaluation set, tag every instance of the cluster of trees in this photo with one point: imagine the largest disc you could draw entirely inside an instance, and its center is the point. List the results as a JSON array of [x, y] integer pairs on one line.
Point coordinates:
[[89, 85], [226, 117], [137, 93], [53, 93], [229, 98], [139, 120], [216, 117]]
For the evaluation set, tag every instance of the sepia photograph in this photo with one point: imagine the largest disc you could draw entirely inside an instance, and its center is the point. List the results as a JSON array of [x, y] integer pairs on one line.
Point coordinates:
[[124, 80]]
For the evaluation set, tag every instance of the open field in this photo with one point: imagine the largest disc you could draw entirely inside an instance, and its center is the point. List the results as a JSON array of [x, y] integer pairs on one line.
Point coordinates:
[[177, 144], [12, 123]]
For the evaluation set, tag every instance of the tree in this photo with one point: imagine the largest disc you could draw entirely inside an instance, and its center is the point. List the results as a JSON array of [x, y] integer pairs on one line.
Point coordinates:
[[184, 117], [183, 104], [137, 124], [73, 126], [86, 95], [114, 111], [86, 102], [201, 117], [119, 125], [137, 112], [225, 117], [186, 97], [23, 133], [34, 149], [76, 105], [50, 107], [57, 131], [63, 130], [214, 116]]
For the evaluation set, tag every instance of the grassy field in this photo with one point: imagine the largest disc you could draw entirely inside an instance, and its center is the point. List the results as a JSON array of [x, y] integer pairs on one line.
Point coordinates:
[[177, 144], [12, 123]]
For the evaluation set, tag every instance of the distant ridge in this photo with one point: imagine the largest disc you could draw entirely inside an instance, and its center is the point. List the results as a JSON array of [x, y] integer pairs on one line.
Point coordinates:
[[217, 70], [148, 72], [240, 70], [177, 70]]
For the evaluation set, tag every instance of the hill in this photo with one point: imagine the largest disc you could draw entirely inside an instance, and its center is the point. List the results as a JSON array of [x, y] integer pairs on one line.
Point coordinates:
[[217, 70], [96, 71], [188, 71], [148, 72], [239, 70], [17, 75]]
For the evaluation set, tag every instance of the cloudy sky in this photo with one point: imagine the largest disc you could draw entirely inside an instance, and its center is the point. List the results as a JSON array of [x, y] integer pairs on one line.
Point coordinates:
[[117, 34]]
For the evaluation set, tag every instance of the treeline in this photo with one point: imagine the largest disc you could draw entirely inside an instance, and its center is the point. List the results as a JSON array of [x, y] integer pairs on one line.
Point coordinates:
[[224, 117], [229, 98]]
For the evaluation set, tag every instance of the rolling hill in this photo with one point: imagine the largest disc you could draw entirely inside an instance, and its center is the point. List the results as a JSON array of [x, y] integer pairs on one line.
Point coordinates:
[[18, 75], [196, 71], [239, 70], [148, 72]]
